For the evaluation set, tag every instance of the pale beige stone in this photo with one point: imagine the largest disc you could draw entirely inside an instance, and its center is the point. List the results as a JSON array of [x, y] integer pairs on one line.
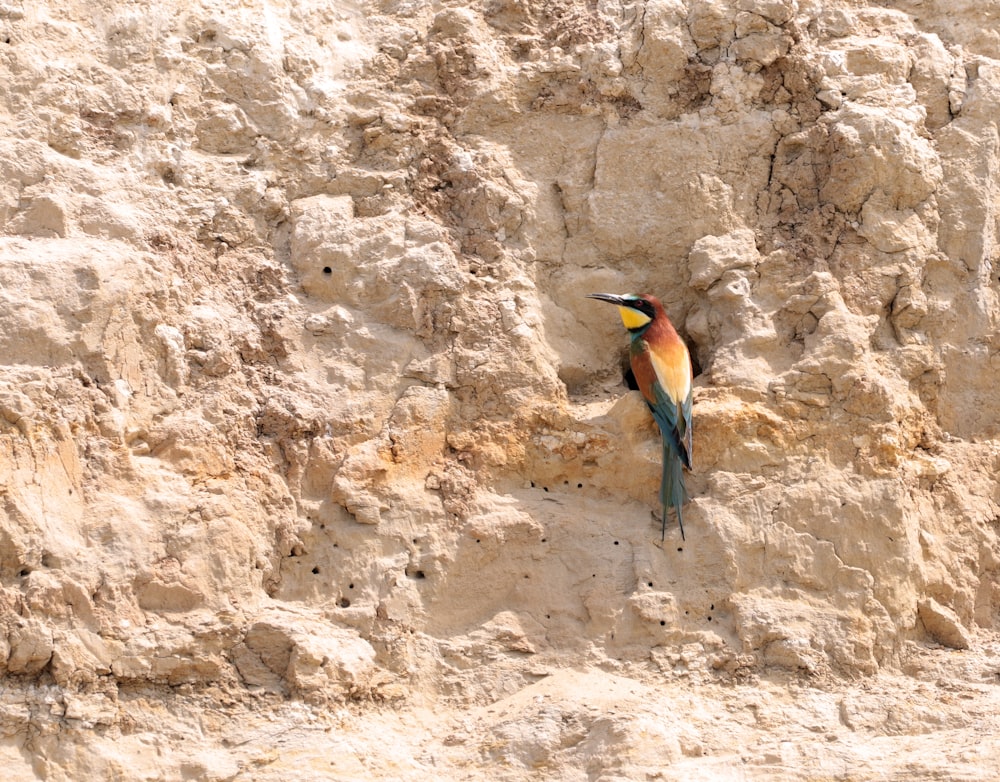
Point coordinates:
[[943, 624], [316, 461]]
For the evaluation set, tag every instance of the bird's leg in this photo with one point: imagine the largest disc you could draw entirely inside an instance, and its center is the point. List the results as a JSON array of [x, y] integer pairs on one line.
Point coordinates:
[[663, 523]]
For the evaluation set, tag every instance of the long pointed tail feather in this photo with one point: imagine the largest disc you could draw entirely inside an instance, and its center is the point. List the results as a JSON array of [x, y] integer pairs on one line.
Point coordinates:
[[672, 489]]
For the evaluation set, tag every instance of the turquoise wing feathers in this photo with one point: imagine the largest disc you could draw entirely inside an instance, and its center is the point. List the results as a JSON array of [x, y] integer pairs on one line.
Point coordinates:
[[675, 430]]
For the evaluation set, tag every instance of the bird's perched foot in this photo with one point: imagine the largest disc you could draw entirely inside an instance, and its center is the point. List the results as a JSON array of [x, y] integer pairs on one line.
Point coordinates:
[[662, 521]]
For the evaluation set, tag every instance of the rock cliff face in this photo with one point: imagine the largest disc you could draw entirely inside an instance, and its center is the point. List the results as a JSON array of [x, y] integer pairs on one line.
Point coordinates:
[[313, 455]]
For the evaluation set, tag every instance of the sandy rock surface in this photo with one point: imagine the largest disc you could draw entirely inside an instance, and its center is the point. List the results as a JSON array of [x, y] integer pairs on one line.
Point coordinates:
[[315, 462]]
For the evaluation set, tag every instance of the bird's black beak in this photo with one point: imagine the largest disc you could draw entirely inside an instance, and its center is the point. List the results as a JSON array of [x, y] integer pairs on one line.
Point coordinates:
[[609, 297]]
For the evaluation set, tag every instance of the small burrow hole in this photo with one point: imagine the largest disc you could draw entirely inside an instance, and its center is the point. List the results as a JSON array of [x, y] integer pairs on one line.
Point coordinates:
[[327, 270], [345, 603], [628, 376], [315, 570]]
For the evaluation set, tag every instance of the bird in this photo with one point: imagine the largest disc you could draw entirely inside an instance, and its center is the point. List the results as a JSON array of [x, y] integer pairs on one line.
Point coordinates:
[[662, 367]]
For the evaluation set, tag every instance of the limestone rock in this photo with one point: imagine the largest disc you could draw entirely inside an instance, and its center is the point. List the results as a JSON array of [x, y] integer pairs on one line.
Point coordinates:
[[315, 660], [943, 624], [303, 407]]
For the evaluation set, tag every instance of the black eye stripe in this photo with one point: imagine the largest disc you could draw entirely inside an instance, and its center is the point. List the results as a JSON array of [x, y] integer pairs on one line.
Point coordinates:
[[642, 305]]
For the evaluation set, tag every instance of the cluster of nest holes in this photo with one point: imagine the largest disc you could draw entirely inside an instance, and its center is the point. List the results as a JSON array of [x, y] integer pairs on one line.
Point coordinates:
[[708, 618], [546, 488], [298, 551], [344, 601]]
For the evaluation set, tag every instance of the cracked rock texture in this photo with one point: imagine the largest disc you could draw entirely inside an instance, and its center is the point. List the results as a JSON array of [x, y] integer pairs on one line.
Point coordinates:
[[316, 462]]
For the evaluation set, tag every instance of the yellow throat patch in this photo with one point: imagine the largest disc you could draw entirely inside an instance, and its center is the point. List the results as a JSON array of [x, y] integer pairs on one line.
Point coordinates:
[[633, 319]]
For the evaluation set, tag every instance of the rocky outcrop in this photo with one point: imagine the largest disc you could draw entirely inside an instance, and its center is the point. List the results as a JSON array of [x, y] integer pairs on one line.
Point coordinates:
[[309, 437]]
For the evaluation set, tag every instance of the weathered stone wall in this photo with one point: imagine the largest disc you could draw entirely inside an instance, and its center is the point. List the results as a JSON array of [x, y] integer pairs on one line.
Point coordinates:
[[303, 411]]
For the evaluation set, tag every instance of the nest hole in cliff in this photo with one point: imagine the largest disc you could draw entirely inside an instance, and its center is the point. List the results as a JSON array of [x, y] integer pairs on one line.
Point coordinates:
[[628, 376]]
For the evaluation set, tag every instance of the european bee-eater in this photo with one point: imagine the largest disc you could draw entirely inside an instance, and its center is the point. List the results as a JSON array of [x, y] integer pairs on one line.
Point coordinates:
[[662, 368]]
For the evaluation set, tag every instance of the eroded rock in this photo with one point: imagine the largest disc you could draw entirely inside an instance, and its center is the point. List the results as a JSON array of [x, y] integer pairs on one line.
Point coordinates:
[[302, 404]]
